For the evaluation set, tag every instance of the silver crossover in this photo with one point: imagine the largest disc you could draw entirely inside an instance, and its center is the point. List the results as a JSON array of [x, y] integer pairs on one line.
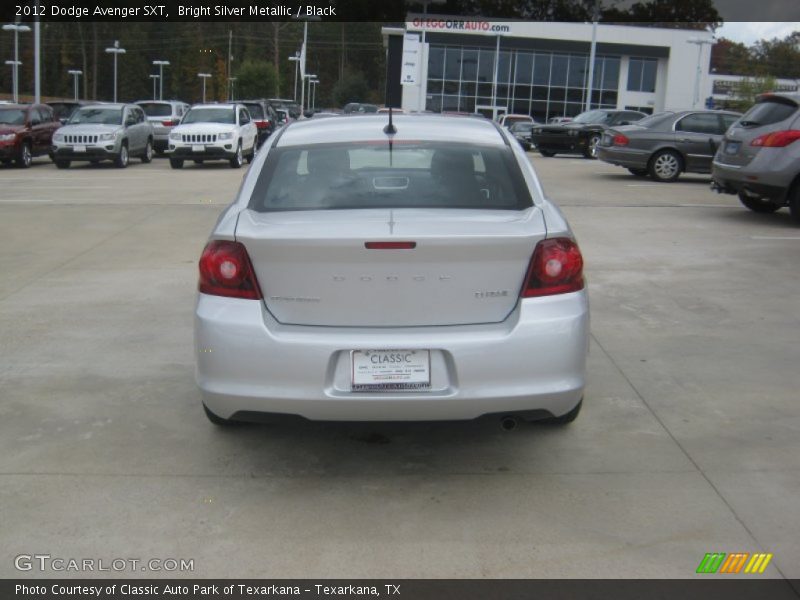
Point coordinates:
[[405, 272]]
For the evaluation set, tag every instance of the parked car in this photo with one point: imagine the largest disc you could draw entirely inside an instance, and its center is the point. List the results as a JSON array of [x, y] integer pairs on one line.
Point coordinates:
[[509, 120], [264, 117], [63, 109], [522, 132], [163, 116], [667, 144], [557, 120], [358, 279], [759, 158], [582, 134], [100, 132], [290, 106], [284, 116], [359, 108], [213, 132], [26, 130]]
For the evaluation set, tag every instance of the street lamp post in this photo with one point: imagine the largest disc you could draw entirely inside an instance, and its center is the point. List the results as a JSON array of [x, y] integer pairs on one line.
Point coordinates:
[[16, 28], [204, 76], [700, 43], [75, 76], [308, 76], [232, 86], [161, 64], [116, 51], [296, 60], [313, 93], [154, 77]]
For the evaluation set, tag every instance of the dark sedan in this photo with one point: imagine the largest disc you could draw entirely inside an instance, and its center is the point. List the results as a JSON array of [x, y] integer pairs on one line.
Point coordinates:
[[667, 144], [582, 134], [522, 132]]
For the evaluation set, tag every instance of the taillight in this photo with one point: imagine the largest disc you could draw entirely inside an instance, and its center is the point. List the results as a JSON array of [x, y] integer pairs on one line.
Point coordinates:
[[556, 268], [169, 123], [620, 140], [390, 245], [777, 139], [226, 270], [262, 124]]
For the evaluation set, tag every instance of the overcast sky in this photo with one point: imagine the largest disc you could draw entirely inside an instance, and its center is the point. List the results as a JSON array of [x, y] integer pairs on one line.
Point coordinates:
[[747, 33]]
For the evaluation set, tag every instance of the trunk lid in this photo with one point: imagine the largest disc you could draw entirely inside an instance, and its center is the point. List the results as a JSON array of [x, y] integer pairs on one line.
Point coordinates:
[[467, 267]]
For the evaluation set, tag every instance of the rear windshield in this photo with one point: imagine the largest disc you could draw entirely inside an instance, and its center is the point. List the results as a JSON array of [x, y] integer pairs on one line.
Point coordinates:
[[210, 115], [767, 112], [373, 175], [156, 109], [592, 117], [522, 127], [255, 110], [98, 116], [654, 119]]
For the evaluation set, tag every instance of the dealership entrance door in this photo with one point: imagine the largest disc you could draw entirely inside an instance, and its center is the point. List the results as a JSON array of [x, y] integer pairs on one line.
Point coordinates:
[[491, 112]]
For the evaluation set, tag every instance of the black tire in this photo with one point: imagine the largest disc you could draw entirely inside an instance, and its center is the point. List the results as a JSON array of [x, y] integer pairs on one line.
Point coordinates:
[[121, 160], [217, 420], [238, 160], [758, 205], [665, 166], [638, 172], [62, 164], [148, 152], [546, 153], [25, 157], [249, 158], [565, 418], [591, 146], [176, 163], [7, 161], [794, 202]]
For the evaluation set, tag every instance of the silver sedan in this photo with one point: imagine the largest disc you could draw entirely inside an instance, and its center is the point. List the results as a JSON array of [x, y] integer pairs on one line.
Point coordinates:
[[411, 273]]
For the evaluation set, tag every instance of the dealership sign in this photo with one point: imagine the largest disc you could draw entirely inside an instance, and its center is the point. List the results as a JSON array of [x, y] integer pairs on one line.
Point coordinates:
[[409, 74], [458, 25]]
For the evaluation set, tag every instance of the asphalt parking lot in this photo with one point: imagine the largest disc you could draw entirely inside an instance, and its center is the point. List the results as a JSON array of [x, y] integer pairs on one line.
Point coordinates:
[[688, 442]]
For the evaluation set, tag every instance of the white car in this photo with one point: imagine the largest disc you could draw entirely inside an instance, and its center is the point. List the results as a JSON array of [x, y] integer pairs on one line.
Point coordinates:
[[370, 274], [213, 132]]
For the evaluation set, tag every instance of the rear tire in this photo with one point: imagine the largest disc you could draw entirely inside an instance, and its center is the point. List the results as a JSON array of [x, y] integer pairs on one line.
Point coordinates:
[[62, 164], [25, 157], [666, 166], [176, 163], [591, 147], [547, 153], [148, 152], [638, 172], [217, 420], [565, 418], [758, 205]]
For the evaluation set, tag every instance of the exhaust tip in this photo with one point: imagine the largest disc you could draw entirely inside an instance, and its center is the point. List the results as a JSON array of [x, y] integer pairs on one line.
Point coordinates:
[[508, 423]]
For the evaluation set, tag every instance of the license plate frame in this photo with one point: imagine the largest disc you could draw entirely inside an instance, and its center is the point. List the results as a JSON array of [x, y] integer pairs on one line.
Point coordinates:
[[80, 148], [390, 370], [732, 148], [198, 148]]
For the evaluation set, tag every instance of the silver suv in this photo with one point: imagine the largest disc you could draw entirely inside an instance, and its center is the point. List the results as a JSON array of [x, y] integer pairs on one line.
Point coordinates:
[[759, 158], [163, 116], [104, 132]]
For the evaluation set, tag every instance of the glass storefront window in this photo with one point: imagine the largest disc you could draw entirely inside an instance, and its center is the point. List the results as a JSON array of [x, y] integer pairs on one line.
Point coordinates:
[[524, 68], [452, 64], [642, 75], [558, 74], [436, 63], [485, 65], [469, 65]]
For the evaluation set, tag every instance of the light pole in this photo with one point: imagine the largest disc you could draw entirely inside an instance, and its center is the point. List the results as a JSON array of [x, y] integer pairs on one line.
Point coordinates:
[[116, 51], [13, 64], [296, 60], [494, 78], [700, 43], [232, 85], [592, 54], [308, 76], [75, 76], [16, 62], [154, 77], [161, 64], [313, 93], [204, 76]]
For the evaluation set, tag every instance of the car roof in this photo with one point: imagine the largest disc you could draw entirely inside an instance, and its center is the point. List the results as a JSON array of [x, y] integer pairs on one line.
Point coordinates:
[[417, 127], [17, 106], [217, 105]]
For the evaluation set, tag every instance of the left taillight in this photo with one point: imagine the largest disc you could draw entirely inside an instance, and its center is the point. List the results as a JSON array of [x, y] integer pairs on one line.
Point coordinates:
[[169, 123], [620, 140], [556, 268], [226, 270]]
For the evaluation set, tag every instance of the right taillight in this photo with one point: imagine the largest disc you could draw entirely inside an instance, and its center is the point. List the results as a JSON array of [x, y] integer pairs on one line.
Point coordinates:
[[556, 268], [226, 270], [620, 140], [777, 139]]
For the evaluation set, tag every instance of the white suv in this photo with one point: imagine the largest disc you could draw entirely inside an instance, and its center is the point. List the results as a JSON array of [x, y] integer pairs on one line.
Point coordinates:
[[213, 132]]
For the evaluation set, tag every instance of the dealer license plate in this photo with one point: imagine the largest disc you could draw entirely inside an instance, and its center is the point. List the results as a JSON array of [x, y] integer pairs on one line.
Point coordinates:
[[732, 147], [390, 370], [198, 148], [80, 148]]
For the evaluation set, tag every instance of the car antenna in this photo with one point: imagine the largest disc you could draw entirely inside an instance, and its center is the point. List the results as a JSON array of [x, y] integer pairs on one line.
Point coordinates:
[[390, 128]]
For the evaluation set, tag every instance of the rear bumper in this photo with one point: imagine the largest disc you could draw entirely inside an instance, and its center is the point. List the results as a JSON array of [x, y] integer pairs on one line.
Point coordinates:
[[249, 363], [624, 157], [768, 175]]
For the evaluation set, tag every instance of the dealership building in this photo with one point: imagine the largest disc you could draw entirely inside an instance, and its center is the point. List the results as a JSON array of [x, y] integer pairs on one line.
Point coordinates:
[[448, 64]]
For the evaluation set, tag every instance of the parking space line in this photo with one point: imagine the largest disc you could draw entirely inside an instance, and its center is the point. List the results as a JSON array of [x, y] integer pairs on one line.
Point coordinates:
[[774, 237]]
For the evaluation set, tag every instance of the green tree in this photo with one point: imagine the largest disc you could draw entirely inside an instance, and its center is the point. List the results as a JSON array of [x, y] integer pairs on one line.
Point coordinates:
[[353, 87], [256, 79], [746, 91]]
